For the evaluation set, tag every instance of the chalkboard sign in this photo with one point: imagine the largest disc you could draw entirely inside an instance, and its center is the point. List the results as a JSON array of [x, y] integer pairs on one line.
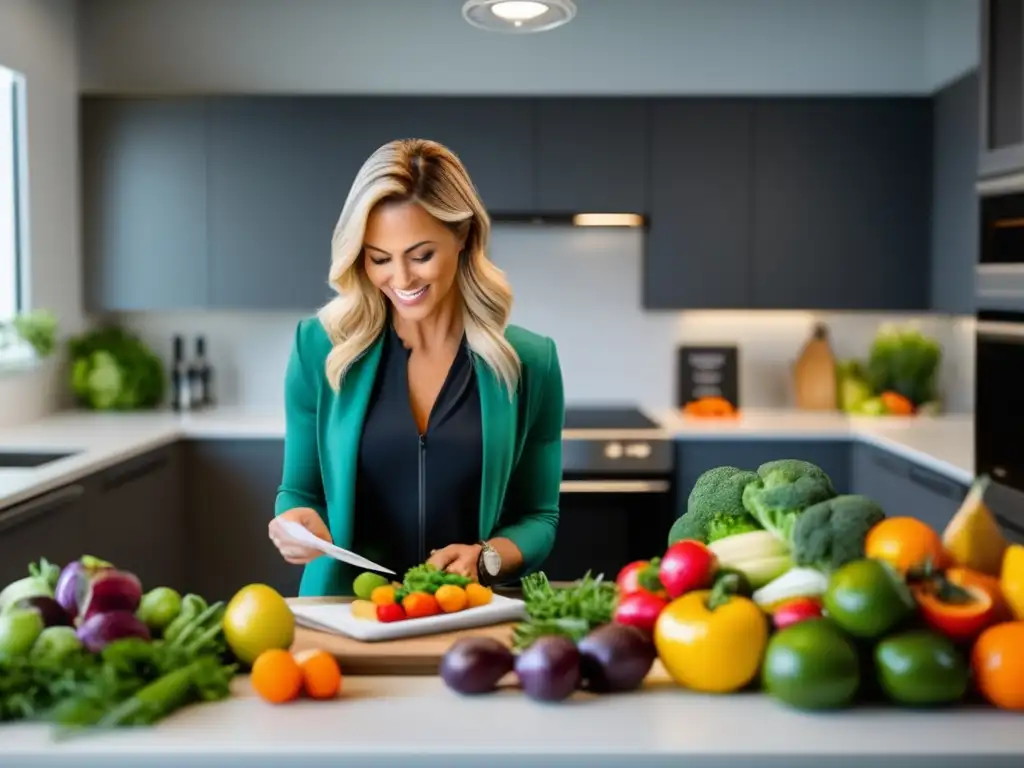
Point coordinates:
[[708, 371]]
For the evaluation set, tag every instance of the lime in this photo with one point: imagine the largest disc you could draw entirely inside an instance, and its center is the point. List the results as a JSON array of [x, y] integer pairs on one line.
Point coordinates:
[[19, 629], [811, 665], [159, 607], [867, 598], [366, 582], [257, 619], [919, 668], [55, 643]]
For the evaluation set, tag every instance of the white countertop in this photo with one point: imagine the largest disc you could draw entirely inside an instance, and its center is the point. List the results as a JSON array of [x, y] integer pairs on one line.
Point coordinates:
[[404, 721], [944, 444]]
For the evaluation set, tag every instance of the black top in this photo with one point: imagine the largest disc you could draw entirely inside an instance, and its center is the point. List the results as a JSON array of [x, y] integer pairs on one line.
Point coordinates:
[[417, 493]]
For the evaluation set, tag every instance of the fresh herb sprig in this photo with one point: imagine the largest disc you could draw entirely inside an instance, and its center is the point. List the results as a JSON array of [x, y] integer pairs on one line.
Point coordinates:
[[570, 611]]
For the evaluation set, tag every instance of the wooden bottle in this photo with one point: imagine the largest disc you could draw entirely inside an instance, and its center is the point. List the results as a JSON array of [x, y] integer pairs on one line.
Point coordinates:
[[814, 373]]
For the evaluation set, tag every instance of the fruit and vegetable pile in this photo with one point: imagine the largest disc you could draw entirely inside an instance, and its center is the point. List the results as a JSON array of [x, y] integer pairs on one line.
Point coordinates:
[[774, 581], [84, 645], [424, 591]]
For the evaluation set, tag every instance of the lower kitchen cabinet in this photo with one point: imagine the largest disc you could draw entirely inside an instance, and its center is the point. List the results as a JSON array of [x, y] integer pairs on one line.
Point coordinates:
[[694, 457], [904, 488], [134, 517], [51, 525], [230, 491]]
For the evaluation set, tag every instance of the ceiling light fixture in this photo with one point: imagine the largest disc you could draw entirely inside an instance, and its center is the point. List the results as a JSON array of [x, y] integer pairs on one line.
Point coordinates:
[[518, 16]]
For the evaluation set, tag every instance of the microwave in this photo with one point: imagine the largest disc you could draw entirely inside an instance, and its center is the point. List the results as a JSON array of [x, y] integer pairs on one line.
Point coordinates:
[[999, 414], [999, 273]]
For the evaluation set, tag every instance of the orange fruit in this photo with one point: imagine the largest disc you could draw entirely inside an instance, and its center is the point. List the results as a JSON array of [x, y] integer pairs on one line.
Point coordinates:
[[997, 661], [905, 543], [276, 676], [478, 594], [321, 675], [451, 598], [419, 605], [384, 595]]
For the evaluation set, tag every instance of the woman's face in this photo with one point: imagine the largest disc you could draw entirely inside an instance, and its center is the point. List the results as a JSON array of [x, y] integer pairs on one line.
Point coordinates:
[[411, 257]]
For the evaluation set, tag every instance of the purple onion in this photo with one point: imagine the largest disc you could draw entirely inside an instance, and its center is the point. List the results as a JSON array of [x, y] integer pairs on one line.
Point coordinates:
[[52, 612], [73, 582], [101, 629], [110, 590]]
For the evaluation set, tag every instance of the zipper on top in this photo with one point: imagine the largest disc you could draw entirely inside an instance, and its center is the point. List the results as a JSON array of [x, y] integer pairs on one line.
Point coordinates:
[[422, 493]]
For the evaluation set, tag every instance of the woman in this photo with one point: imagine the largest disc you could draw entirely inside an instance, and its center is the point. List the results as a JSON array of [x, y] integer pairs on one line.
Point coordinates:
[[421, 427]]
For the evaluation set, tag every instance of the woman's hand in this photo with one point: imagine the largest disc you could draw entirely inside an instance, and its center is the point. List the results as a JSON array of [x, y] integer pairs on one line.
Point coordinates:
[[457, 558], [291, 550]]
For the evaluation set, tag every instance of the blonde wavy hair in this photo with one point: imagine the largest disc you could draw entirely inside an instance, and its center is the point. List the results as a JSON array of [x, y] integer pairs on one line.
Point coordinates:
[[430, 175]]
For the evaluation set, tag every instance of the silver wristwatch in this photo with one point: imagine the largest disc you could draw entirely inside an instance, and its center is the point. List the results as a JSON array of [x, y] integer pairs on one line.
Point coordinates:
[[488, 565]]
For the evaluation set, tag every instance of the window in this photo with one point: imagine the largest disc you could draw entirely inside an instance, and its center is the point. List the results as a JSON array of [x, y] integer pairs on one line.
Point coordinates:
[[11, 170]]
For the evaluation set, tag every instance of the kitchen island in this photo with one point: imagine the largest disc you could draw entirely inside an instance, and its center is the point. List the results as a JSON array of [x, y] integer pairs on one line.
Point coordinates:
[[403, 721]]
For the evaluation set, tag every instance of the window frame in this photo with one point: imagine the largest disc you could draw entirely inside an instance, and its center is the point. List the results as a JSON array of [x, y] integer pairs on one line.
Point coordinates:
[[17, 354]]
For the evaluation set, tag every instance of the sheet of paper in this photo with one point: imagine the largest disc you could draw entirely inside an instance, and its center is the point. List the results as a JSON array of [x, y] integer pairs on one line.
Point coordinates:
[[303, 536]]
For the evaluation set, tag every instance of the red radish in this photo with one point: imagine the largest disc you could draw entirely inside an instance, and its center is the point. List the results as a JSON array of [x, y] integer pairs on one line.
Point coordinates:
[[640, 609], [687, 565]]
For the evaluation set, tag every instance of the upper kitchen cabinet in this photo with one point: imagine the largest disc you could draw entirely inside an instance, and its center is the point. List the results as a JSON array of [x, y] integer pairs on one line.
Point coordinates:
[[493, 137], [698, 243], [1002, 87], [144, 203], [279, 171], [591, 155], [842, 198]]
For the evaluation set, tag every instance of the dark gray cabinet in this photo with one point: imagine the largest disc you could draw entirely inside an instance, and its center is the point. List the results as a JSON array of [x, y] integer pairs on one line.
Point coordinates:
[[230, 491], [697, 254], [694, 457], [51, 525], [134, 518], [144, 203], [591, 155], [1001, 142], [841, 204], [904, 488], [954, 219]]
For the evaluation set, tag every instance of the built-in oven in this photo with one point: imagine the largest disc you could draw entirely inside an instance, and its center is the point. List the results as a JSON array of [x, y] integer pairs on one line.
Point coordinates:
[[999, 414], [617, 498], [999, 280]]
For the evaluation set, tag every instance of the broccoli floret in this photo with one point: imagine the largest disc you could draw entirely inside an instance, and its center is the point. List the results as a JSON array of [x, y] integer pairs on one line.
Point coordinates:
[[714, 508], [831, 533], [783, 490]]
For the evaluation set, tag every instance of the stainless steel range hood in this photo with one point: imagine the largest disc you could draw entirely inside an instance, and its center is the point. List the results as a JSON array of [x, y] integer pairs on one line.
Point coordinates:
[[573, 219]]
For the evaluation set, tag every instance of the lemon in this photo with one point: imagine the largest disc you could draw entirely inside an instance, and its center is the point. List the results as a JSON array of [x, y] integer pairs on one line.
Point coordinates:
[[257, 619], [1012, 580], [364, 584]]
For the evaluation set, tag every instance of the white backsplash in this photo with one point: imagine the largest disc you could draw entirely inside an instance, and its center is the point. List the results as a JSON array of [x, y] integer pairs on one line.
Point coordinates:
[[582, 287]]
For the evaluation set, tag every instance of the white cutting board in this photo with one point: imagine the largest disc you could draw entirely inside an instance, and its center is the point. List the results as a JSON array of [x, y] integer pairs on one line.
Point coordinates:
[[337, 618]]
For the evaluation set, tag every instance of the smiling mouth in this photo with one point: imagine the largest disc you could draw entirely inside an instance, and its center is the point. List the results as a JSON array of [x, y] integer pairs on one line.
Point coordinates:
[[410, 297]]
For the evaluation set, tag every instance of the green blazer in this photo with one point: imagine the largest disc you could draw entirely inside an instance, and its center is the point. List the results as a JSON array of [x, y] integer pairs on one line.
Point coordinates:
[[522, 448]]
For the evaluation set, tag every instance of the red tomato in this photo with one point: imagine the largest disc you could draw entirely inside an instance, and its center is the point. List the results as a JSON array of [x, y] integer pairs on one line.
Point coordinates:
[[795, 610], [687, 565], [640, 576], [390, 612]]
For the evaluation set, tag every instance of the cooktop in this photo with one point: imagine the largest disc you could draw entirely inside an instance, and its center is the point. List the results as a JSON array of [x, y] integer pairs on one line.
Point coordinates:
[[610, 417]]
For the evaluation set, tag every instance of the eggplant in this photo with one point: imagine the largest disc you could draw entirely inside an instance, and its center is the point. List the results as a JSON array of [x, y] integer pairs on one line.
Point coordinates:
[[615, 658], [52, 612], [110, 590], [474, 665], [73, 582], [549, 668], [101, 629]]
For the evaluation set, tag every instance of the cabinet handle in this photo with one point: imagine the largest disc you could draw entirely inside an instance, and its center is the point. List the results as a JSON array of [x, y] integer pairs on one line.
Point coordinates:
[[890, 464], [933, 483], [122, 477], [33, 508]]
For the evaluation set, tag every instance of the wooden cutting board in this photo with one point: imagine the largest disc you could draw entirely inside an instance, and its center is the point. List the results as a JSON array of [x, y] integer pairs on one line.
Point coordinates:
[[409, 656]]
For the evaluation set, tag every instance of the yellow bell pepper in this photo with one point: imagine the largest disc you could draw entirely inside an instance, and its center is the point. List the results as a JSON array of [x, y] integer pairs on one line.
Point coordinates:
[[1011, 580], [712, 640]]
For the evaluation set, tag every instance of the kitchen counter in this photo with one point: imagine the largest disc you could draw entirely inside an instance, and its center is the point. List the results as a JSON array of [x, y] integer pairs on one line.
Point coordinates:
[[945, 444], [398, 721]]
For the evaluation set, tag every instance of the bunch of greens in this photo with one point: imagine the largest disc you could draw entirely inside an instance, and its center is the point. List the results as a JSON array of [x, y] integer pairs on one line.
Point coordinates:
[[904, 360], [570, 611], [112, 369], [427, 578]]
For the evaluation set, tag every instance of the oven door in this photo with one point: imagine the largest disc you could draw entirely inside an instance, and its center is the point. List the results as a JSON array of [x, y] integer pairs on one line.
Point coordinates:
[[999, 398], [1000, 269], [604, 524]]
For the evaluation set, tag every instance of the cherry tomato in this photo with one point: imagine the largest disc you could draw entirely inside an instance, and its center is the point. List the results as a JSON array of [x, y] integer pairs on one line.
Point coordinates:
[[390, 612], [795, 610]]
